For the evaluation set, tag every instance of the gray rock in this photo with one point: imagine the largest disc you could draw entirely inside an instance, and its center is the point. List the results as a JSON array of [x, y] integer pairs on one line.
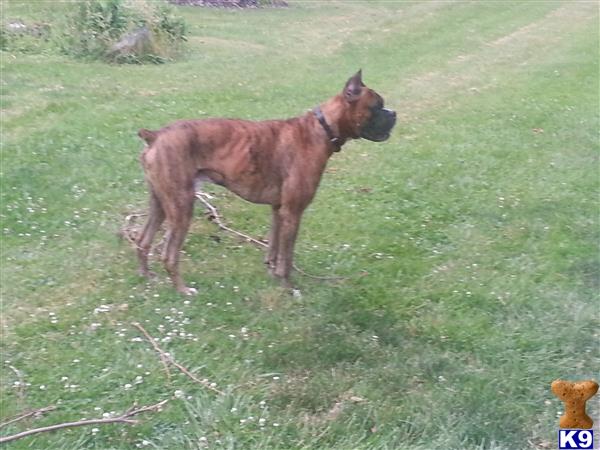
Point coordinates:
[[138, 42]]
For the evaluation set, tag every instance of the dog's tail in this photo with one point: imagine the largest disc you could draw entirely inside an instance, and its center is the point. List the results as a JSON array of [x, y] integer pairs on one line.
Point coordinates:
[[148, 135]]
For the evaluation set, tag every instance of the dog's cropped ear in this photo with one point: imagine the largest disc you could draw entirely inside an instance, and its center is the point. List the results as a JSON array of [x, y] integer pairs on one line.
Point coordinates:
[[353, 87]]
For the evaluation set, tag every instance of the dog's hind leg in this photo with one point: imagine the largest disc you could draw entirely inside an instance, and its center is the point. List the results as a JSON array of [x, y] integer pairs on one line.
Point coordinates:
[[179, 216], [156, 216]]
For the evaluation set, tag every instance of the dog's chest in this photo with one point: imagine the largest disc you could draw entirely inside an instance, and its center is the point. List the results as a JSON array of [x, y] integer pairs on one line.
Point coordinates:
[[256, 179]]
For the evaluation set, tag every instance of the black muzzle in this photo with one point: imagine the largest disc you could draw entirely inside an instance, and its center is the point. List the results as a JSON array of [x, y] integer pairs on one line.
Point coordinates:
[[379, 127]]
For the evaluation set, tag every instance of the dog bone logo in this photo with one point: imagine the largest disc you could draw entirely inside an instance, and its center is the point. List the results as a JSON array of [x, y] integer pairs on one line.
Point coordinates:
[[574, 395]]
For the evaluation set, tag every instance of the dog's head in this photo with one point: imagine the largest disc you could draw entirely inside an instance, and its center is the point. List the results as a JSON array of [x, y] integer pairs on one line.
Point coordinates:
[[366, 116]]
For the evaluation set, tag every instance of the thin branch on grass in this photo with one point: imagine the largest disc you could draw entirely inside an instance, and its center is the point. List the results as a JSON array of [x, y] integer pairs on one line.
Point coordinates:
[[128, 231], [319, 277], [216, 218], [124, 418], [35, 413], [130, 217], [166, 358]]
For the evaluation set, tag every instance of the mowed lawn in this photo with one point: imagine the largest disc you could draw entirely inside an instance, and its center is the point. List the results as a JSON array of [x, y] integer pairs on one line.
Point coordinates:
[[469, 240]]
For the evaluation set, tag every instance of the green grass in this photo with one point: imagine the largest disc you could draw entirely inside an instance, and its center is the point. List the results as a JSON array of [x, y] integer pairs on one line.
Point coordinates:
[[470, 238]]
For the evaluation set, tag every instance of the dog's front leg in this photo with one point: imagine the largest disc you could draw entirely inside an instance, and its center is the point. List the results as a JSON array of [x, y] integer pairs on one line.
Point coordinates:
[[271, 256], [289, 222]]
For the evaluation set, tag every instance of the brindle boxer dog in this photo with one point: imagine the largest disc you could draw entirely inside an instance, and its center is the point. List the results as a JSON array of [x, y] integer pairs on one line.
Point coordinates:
[[273, 162]]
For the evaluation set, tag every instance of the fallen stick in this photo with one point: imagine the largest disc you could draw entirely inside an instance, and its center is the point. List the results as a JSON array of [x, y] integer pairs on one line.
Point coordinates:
[[166, 358], [124, 418], [216, 218], [35, 412], [163, 356]]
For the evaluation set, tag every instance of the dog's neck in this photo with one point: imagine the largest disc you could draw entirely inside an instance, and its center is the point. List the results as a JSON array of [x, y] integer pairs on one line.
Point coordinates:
[[334, 118], [334, 140]]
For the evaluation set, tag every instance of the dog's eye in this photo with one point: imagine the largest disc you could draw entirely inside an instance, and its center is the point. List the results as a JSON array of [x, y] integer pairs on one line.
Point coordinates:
[[378, 105]]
